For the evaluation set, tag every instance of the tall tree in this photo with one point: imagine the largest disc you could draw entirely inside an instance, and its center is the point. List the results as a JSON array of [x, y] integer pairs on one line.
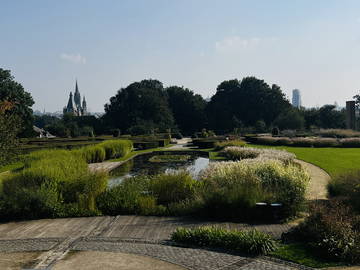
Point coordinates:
[[188, 109], [14, 92], [249, 101], [9, 127], [143, 104]]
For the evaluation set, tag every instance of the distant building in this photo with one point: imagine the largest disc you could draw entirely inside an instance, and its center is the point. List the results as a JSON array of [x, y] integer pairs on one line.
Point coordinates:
[[296, 98], [74, 105], [350, 114]]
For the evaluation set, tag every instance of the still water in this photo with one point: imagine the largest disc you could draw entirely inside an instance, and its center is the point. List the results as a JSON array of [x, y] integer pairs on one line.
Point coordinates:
[[141, 165]]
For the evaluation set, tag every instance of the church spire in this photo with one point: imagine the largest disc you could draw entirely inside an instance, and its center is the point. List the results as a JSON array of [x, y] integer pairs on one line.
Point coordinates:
[[77, 97]]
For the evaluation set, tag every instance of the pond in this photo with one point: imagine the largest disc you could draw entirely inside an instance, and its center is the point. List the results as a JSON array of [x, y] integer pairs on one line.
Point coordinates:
[[194, 163]]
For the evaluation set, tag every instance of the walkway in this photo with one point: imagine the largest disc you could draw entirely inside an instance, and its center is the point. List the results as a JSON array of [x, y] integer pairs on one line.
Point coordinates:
[[317, 189], [145, 236]]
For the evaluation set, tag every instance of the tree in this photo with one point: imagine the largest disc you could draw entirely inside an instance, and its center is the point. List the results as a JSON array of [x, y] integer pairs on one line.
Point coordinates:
[[249, 100], [290, 119], [141, 103], [357, 100], [12, 91], [188, 109], [9, 128], [331, 118]]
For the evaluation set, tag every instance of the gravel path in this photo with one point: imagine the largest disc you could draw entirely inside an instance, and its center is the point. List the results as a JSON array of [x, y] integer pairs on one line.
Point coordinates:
[[317, 189]]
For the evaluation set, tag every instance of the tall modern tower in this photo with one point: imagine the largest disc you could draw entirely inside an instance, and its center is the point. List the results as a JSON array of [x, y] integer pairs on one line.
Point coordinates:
[[296, 98]]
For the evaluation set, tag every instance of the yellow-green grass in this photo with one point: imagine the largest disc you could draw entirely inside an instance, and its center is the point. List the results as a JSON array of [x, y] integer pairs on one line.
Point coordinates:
[[333, 160]]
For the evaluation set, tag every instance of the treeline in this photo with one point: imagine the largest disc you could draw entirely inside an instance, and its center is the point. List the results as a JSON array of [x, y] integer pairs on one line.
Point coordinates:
[[145, 107], [245, 105]]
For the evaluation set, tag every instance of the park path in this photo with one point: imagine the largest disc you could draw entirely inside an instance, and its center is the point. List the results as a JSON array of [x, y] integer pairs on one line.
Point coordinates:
[[141, 235], [317, 189]]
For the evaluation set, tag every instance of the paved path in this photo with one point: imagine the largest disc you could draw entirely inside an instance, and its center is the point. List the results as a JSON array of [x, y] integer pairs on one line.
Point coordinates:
[[317, 189], [182, 144], [146, 236]]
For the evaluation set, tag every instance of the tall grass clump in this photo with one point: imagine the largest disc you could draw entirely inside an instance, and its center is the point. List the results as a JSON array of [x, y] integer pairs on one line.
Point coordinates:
[[116, 148], [232, 189], [53, 183], [250, 242], [131, 196], [92, 154], [240, 153], [221, 145], [172, 187]]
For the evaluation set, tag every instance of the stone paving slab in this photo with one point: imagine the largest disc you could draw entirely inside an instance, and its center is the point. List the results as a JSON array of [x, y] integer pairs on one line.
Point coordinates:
[[141, 227], [190, 258]]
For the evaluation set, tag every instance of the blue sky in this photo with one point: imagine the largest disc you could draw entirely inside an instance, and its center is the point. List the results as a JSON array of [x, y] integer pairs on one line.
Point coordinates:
[[306, 44]]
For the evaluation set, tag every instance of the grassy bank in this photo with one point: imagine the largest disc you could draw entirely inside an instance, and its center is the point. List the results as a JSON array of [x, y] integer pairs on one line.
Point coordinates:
[[333, 160]]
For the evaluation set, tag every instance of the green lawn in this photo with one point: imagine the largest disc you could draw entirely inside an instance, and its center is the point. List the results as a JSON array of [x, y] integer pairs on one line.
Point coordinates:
[[301, 254], [333, 160]]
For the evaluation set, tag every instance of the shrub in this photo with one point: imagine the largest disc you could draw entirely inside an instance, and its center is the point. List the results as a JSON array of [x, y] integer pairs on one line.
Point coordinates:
[[325, 142], [223, 144], [116, 133], [172, 187], [51, 181], [348, 186], [250, 242], [92, 154], [233, 188], [275, 131], [116, 148], [123, 198], [303, 141], [331, 230], [239, 153], [350, 142], [338, 133]]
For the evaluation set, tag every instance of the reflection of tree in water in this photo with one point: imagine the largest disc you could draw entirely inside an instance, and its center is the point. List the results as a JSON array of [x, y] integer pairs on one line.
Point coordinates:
[[140, 165], [123, 169]]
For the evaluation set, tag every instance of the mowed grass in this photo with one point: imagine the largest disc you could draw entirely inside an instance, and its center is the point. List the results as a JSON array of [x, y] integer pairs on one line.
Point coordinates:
[[333, 160]]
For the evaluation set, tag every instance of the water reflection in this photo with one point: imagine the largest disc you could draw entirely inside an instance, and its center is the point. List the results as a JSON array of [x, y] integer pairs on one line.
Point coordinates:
[[140, 165]]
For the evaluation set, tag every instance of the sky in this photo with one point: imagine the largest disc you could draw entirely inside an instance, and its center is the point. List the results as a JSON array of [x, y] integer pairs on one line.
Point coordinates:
[[310, 45]]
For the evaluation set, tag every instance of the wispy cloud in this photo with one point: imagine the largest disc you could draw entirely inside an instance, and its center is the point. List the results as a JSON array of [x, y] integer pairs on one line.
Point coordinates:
[[73, 58], [236, 44]]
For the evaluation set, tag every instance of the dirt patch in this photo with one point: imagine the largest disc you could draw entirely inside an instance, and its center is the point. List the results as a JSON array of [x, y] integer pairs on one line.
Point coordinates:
[[17, 260], [95, 260]]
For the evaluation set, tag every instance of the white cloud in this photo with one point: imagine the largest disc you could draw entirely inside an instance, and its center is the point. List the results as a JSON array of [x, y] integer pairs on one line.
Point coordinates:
[[73, 58], [235, 43]]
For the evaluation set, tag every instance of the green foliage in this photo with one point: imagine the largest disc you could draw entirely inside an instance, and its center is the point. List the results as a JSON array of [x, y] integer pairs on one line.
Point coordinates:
[[332, 230], [244, 102], [347, 185], [250, 242], [221, 145], [172, 187], [141, 104], [53, 183], [188, 108], [14, 92], [231, 189], [302, 254], [125, 198], [92, 153], [290, 119], [116, 148], [9, 128]]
